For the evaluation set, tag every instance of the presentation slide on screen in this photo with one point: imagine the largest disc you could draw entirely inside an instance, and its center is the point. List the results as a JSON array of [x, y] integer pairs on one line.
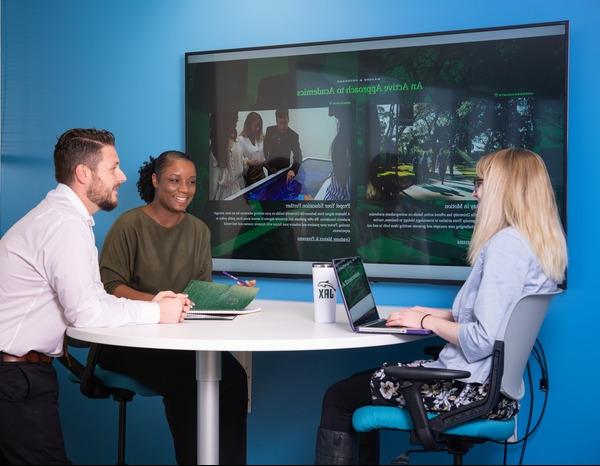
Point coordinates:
[[375, 153]]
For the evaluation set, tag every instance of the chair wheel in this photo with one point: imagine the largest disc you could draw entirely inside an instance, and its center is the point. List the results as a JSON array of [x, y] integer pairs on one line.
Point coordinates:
[[401, 459]]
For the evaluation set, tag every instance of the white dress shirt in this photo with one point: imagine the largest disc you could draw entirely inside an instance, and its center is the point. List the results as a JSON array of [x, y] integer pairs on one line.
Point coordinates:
[[49, 279]]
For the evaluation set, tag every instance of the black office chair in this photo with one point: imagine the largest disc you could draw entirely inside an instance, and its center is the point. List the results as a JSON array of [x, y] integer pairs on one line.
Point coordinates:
[[96, 382], [460, 429]]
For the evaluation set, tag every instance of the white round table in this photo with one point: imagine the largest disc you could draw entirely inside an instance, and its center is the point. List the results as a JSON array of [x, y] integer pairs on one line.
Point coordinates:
[[279, 326]]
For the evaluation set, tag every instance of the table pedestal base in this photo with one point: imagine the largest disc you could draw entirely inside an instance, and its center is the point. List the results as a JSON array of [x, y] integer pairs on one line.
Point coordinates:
[[208, 376]]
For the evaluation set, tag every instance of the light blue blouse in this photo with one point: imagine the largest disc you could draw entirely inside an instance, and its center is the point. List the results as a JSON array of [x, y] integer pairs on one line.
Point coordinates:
[[505, 270]]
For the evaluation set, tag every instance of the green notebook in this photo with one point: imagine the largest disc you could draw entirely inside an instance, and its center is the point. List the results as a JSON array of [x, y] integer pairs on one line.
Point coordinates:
[[216, 296]]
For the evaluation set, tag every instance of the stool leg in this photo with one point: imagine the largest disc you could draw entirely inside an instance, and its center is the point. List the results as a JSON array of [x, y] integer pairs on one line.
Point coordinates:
[[122, 422], [458, 458]]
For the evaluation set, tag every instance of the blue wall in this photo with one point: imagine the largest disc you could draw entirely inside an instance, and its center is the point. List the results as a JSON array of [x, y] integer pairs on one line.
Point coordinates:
[[119, 65]]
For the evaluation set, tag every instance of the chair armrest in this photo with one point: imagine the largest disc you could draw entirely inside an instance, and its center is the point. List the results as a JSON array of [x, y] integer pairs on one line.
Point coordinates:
[[425, 374], [411, 380], [426, 431], [476, 409]]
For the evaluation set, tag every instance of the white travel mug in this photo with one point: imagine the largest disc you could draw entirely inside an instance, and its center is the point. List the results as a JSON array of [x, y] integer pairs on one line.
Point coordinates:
[[324, 292]]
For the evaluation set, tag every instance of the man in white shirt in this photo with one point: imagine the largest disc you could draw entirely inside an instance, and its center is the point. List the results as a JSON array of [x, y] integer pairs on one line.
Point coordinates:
[[49, 279]]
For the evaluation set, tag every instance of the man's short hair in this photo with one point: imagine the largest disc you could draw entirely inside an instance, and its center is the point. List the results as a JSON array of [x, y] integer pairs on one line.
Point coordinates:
[[79, 146], [282, 113]]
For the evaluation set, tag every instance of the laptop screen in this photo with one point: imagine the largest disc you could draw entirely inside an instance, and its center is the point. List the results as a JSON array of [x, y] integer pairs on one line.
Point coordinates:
[[356, 292]]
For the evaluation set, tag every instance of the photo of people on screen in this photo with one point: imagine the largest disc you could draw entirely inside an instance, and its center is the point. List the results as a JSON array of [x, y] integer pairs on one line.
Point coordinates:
[[245, 164]]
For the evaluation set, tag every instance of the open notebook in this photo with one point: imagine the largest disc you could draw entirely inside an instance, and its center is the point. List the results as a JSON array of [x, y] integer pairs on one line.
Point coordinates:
[[218, 299]]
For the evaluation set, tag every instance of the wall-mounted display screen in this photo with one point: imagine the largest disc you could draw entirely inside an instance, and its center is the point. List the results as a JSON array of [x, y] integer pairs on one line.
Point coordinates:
[[367, 147]]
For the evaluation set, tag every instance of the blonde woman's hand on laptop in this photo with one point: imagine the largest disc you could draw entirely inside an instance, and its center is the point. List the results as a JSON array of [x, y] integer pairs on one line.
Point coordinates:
[[413, 312], [407, 317]]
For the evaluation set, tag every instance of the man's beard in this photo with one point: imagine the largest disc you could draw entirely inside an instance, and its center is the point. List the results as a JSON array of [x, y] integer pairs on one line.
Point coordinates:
[[101, 196]]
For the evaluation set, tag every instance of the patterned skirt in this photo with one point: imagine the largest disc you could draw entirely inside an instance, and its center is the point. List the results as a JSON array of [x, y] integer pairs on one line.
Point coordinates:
[[438, 397]]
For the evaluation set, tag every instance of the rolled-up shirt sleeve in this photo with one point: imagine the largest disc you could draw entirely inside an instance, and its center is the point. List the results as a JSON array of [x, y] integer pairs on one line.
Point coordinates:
[[505, 265], [71, 268]]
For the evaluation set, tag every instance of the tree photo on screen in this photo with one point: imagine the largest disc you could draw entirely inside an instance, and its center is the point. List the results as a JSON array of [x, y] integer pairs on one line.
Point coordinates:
[[367, 147]]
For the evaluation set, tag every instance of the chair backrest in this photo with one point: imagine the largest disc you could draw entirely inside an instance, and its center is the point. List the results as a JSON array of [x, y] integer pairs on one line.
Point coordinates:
[[519, 332]]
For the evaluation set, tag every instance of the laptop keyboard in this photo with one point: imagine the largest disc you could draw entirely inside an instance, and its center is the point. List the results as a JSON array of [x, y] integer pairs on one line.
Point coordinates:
[[378, 323]]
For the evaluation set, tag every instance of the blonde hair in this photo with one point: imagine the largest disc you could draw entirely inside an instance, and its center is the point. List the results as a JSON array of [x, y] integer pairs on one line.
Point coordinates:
[[517, 193]]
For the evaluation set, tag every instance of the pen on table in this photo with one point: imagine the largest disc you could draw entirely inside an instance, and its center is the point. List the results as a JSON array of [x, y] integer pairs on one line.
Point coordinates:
[[238, 280]]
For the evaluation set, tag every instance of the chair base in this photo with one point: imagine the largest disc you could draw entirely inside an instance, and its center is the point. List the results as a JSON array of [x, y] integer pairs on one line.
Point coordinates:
[[458, 455]]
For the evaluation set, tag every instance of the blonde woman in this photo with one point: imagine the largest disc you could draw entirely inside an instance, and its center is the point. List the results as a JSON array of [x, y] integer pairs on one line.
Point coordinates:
[[518, 247]]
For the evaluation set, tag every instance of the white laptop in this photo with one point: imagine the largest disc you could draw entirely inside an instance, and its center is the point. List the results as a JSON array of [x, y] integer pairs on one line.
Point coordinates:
[[359, 302]]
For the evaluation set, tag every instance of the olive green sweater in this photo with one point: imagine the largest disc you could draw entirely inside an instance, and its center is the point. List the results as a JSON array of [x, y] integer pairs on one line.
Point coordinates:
[[140, 253]]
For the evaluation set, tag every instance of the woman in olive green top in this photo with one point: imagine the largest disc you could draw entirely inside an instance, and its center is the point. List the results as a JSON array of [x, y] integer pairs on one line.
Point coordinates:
[[161, 247]]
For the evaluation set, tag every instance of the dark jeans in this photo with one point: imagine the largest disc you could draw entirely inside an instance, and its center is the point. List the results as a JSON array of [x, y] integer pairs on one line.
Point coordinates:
[[30, 431], [340, 402], [173, 374]]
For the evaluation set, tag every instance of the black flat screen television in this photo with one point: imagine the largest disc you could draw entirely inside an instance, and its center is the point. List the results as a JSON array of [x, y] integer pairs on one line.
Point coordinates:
[[308, 152]]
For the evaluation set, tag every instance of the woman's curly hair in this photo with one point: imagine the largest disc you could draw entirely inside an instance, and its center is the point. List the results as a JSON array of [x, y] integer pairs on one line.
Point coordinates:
[[155, 165]]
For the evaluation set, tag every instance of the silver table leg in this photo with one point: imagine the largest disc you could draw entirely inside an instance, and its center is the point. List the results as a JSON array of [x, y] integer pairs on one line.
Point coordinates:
[[208, 375]]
